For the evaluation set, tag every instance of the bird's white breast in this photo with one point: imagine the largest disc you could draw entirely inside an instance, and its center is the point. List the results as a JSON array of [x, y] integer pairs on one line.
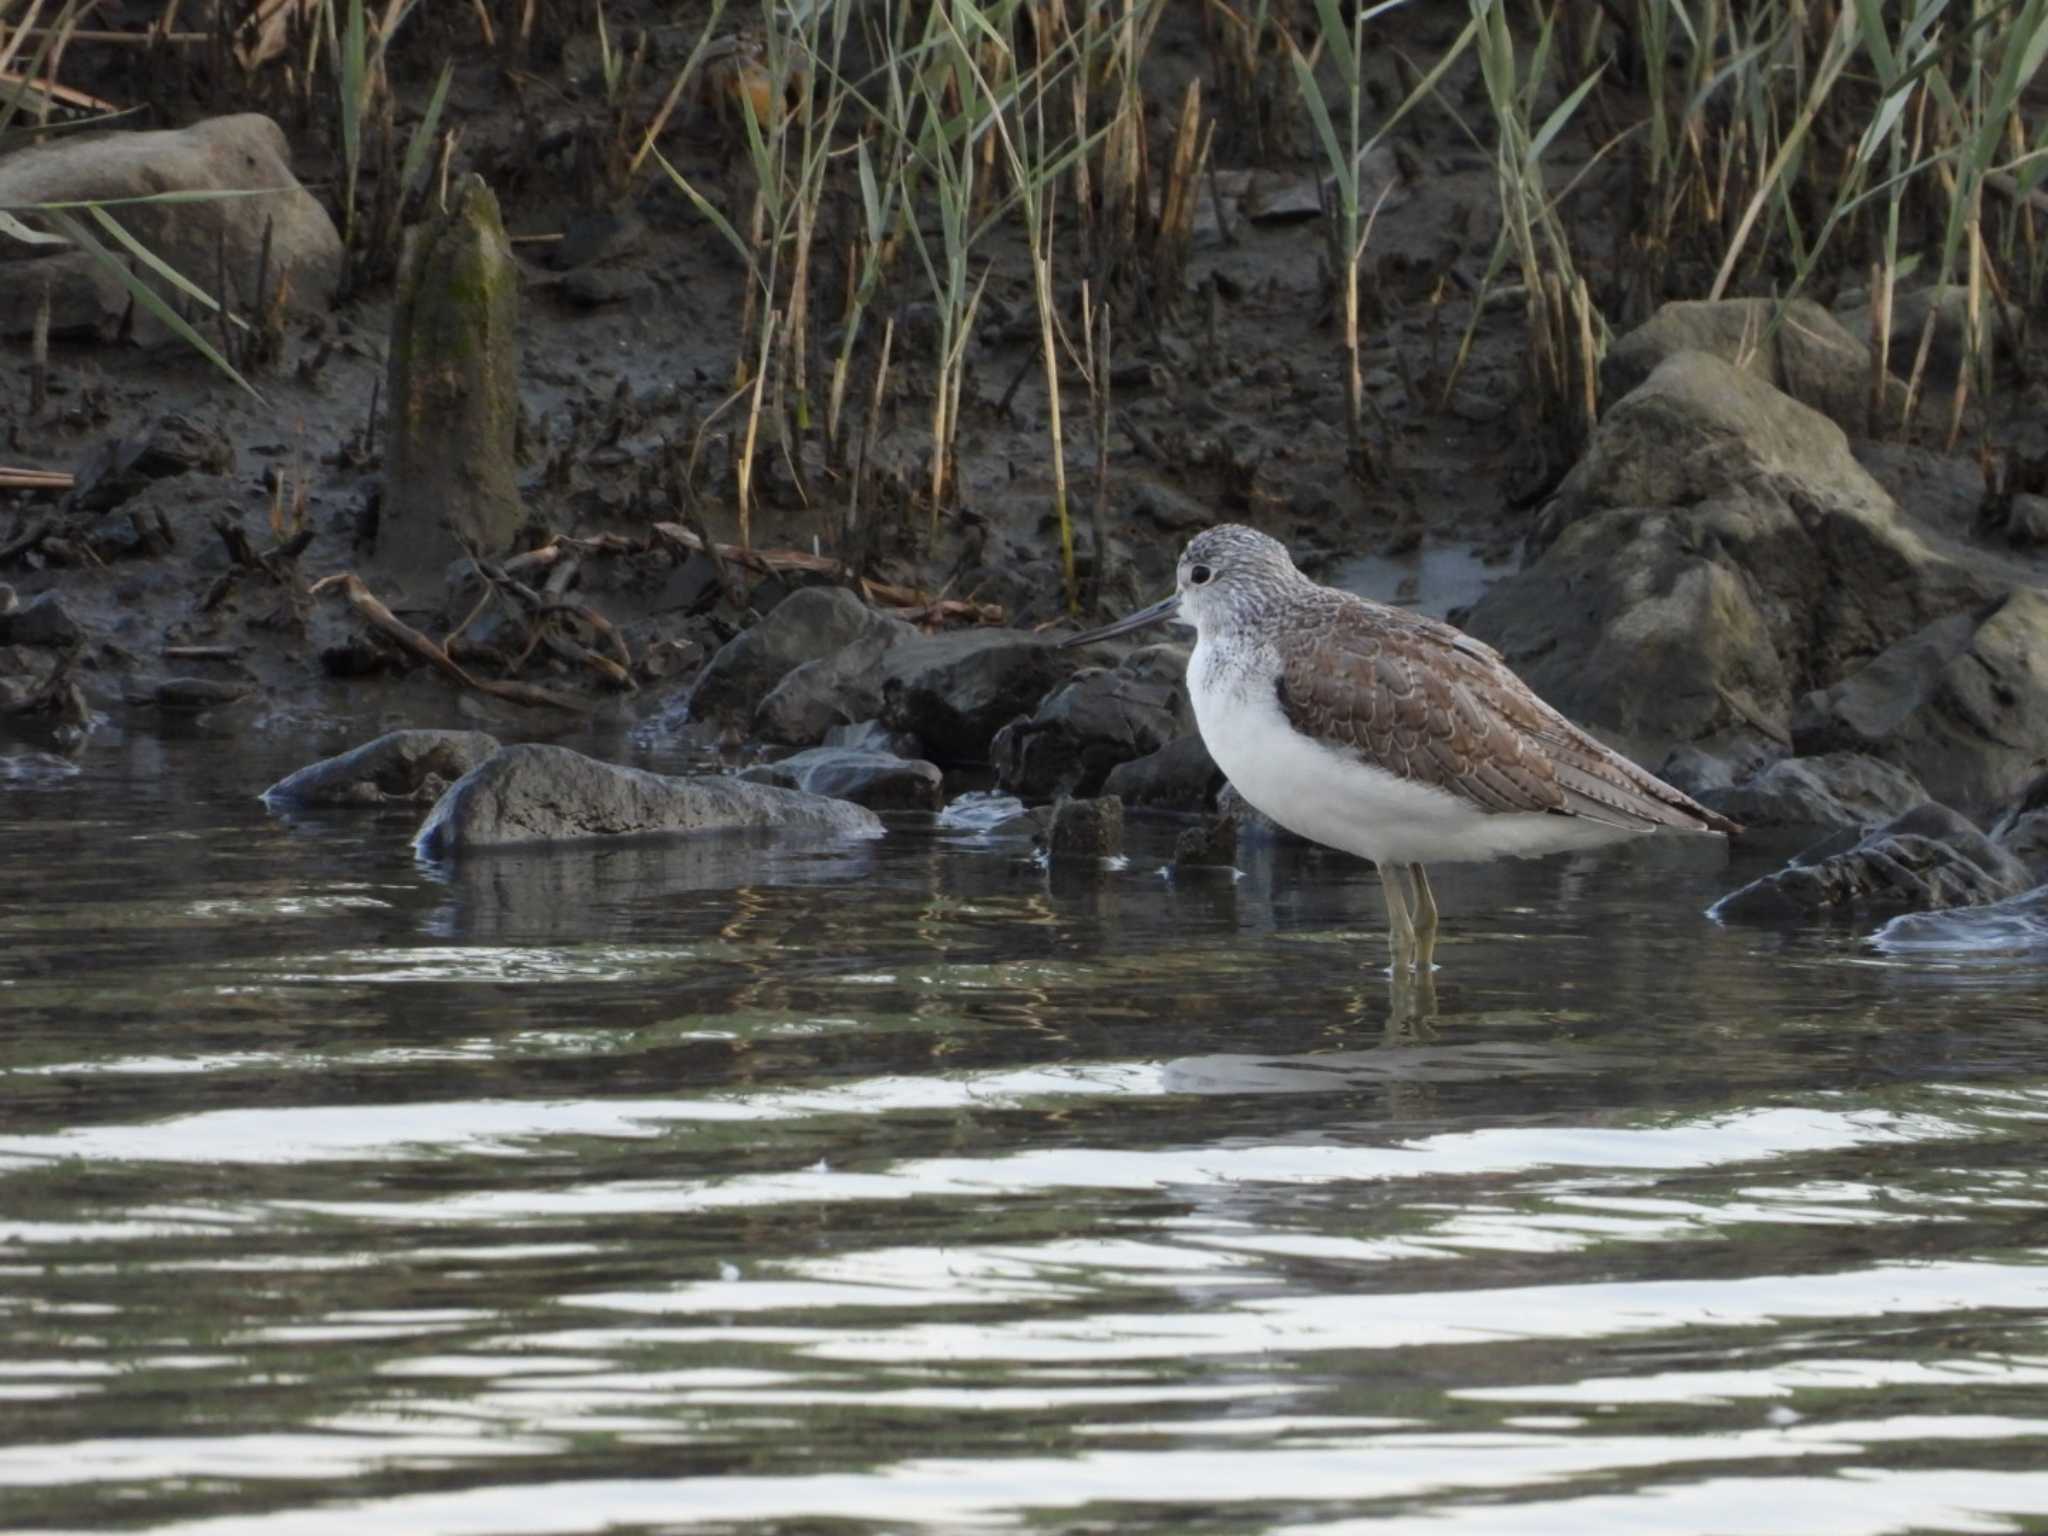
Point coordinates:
[[1331, 796]]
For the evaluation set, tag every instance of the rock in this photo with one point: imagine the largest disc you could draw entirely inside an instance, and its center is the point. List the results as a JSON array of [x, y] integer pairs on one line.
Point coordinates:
[[873, 736], [1098, 719], [117, 468], [242, 153], [878, 780], [1087, 829], [1962, 704], [2022, 828], [808, 625], [1180, 776], [1811, 357], [542, 794], [1716, 553], [1211, 841], [818, 696], [954, 691], [1837, 789], [2017, 925], [407, 767], [450, 472], [2022, 521], [43, 621], [8, 601], [595, 287], [1949, 304], [1928, 858], [193, 695], [1248, 818]]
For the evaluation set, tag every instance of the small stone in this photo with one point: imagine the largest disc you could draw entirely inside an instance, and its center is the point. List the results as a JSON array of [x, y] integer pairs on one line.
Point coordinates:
[[878, 780], [1088, 828], [1211, 841], [42, 620], [1927, 859]]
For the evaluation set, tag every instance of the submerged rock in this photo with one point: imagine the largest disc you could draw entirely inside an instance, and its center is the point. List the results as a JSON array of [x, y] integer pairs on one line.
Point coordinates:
[[1087, 828], [406, 767], [541, 794], [1098, 719], [2016, 925], [879, 780], [1928, 858], [953, 692], [1837, 789]]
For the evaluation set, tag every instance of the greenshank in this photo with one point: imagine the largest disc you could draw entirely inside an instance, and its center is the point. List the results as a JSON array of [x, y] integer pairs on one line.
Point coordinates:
[[1388, 735]]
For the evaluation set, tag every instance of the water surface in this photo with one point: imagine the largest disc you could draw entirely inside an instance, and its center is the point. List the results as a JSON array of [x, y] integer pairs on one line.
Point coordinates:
[[915, 1186]]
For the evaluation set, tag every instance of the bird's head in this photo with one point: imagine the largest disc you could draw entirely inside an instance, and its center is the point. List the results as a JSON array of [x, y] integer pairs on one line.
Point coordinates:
[[1224, 573]]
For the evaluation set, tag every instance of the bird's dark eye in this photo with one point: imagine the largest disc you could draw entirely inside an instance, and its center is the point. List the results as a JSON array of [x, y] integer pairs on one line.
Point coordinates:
[[1200, 574]]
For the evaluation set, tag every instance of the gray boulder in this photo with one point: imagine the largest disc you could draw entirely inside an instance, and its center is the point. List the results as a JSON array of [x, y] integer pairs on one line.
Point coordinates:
[[1928, 858], [406, 767], [1715, 553], [810, 623], [1811, 357], [2022, 828], [817, 696], [1095, 721], [542, 794], [242, 153], [41, 621], [1949, 306], [1180, 776], [953, 692], [1837, 789], [1962, 704], [878, 780]]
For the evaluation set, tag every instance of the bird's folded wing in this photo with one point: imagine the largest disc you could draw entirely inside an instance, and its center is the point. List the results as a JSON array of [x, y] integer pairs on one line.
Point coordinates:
[[1426, 702]]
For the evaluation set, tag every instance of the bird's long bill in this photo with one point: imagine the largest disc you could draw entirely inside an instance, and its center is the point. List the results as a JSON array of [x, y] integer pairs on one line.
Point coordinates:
[[1158, 613]]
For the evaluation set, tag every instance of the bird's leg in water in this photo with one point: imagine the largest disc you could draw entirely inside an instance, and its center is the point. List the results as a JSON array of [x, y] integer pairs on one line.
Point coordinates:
[[1400, 925], [1425, 921]]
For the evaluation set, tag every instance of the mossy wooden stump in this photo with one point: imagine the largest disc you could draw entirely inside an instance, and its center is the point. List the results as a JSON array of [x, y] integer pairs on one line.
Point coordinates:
[[453, 396]]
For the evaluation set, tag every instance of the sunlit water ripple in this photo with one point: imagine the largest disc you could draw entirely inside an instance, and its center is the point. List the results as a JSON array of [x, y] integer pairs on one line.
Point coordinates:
[[914, 1185]]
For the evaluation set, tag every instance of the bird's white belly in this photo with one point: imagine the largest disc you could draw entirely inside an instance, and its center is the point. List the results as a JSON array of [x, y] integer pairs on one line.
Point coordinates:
[[1333, 798]]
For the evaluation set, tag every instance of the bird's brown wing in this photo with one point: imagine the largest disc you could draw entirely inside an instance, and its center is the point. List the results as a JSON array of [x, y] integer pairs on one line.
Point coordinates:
[[1426, 702]]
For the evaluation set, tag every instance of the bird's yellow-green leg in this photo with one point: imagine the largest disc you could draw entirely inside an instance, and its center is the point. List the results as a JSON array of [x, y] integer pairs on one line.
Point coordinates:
[[1425, 920], [1400, 924]]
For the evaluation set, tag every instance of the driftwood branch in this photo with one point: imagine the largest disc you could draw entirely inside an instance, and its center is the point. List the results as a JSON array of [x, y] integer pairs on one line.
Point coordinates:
[[382, 619], [926, 605]]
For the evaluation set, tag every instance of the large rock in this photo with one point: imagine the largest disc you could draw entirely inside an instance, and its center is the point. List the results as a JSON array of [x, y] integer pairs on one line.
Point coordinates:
[[821, 696], [1095, 721], [1838, 789], [1928, 858], [411, 767], [811, 624], [243, 153], [1180, 776], [1962, 704], [542, 794], [953, 692], [452, 396], [2022, 828], [1811, 356], [879, 780], [1715, 554]]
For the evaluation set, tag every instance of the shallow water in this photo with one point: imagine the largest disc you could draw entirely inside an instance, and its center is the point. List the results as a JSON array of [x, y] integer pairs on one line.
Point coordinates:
[[912, 1185]]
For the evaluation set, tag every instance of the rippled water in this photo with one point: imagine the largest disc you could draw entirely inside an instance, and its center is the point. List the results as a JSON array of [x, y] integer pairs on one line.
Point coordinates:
[[915, 1186]]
